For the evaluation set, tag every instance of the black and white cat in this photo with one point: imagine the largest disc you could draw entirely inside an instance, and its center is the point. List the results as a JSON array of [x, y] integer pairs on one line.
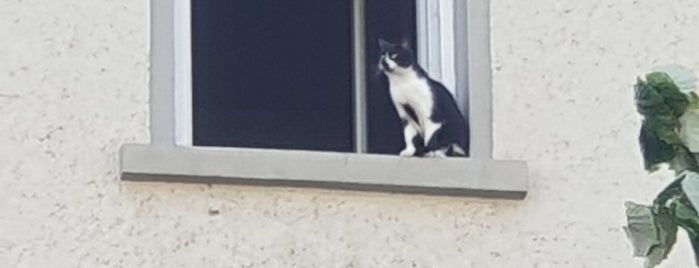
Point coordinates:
[[432, 122]]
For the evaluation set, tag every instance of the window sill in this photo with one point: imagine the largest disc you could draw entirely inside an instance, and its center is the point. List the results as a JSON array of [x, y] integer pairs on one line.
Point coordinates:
[[348, 171]]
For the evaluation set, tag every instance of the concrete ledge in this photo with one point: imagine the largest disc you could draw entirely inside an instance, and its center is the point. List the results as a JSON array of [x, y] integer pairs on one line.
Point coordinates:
[[364, 172]]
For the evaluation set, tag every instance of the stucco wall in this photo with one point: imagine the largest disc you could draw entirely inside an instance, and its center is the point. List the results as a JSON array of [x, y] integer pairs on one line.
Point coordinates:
[[73, 88]]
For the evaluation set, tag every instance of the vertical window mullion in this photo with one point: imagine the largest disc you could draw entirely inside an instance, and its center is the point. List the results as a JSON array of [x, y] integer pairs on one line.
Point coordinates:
[[359, 83], [183, 73], [446, 36], [461, 58], [422, 32]]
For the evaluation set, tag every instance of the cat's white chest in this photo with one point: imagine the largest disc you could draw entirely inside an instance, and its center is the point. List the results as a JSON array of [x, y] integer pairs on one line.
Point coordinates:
[[412, 91]]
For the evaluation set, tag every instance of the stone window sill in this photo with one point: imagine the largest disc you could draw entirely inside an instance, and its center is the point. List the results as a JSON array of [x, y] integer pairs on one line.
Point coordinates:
[[348, 171]]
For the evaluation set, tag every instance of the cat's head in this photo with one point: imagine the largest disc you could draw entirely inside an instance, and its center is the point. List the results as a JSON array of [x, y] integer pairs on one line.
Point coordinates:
[[395, 58]]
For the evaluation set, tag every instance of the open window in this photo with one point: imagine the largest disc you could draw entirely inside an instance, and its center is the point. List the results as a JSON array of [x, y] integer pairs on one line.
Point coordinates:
[[282, 93], [272, 74], [290, 75]]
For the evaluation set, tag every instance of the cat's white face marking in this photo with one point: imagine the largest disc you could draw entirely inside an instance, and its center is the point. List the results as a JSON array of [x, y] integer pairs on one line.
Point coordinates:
[[390, 64], [393, 67]]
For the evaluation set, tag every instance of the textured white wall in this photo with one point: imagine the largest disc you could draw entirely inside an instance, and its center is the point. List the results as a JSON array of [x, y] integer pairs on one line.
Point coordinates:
[[73, 88]]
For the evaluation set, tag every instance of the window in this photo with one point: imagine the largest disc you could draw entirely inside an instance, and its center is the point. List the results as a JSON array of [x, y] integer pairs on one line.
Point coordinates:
[[237, 86], [272, 74]]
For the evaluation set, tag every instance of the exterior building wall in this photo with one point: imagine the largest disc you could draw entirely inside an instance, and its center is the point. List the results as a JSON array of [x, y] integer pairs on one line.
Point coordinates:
[[74, 87]]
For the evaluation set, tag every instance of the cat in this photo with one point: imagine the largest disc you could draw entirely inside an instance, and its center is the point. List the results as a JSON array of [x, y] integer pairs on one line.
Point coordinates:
[[432, 122]]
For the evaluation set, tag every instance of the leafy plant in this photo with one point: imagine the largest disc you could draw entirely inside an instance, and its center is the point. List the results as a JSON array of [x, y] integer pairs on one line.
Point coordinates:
[[669, 136]]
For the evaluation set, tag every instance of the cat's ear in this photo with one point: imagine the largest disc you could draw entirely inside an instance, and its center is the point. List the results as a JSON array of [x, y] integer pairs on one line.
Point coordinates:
[[404, 43], [383, 44]]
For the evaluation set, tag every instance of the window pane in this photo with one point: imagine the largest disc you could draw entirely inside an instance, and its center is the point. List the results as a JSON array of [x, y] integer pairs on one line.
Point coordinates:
[[391, 20], [272, 74]]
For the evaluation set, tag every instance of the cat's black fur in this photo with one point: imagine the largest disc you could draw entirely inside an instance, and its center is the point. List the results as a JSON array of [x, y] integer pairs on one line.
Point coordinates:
[[398, 63]]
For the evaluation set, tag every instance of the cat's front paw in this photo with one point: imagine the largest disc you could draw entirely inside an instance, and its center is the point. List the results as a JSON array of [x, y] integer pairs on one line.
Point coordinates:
[[436, 154], [408, 151]]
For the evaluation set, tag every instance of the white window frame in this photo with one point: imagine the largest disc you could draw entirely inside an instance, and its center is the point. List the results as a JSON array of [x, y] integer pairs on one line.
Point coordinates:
[[443, 26], [435, 35]]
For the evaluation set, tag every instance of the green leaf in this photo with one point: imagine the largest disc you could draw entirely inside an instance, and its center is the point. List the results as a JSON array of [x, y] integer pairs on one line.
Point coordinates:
[[672, 191], [684, 160], [695, 246], [655, 151], [689, 129], [684, 78], [648, 101], [690, 186], [686, 217], [671, 94], [674, 201], [667, 235], [693, 101], [661, 104], [669, 134], [641, 229], [665, 126], [652, 104], [652, 235]]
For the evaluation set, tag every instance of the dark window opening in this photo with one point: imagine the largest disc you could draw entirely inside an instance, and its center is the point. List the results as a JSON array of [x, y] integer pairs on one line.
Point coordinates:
[[272, 74], [278, 74]]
